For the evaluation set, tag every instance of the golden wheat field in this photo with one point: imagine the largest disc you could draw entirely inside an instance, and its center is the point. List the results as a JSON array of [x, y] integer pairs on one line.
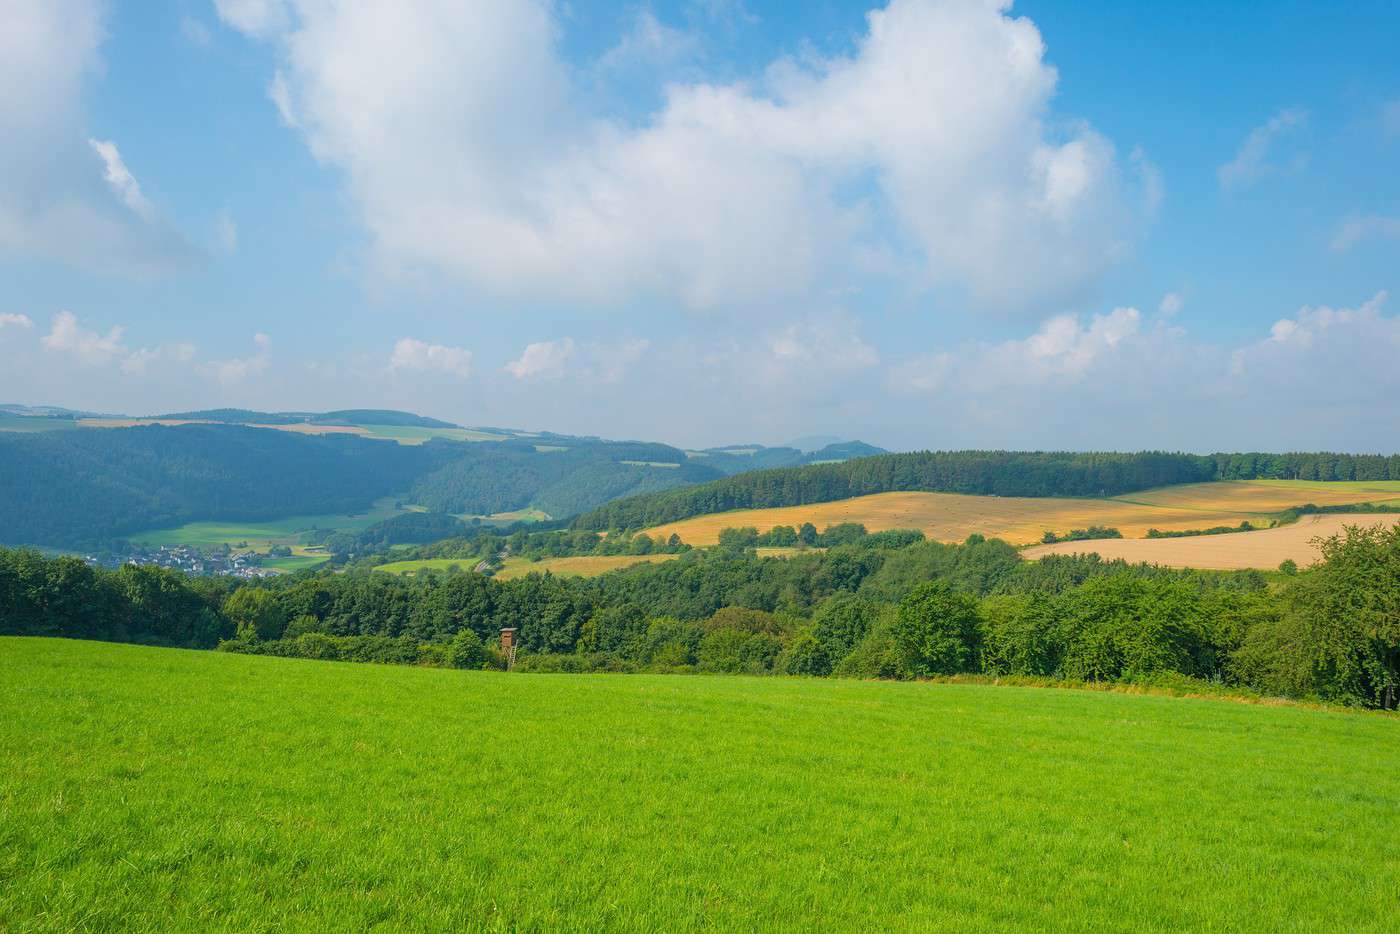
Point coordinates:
[[580, 566], [952, 517], [1267, 548]]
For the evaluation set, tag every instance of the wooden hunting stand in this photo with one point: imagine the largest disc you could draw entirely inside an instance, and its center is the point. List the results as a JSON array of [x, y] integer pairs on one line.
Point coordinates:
[[508, 646]]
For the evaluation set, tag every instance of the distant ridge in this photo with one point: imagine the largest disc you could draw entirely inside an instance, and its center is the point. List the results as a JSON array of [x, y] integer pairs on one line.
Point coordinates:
[[340, 417]]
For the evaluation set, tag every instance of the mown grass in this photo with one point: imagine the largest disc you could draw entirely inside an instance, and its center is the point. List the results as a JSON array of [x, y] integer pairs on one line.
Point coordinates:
[[261, 535], [162, 789]]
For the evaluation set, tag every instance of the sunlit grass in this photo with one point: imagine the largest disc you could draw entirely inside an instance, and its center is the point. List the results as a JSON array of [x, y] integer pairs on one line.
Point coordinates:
[[169, 790]]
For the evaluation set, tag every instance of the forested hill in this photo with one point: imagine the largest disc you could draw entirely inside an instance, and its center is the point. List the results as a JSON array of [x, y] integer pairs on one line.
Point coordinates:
[[987, 473], [84, 487]]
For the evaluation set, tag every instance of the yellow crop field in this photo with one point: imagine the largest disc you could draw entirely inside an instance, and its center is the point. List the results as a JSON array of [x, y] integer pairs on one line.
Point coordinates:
[[1267, 548], [581, 566], [952, 517]]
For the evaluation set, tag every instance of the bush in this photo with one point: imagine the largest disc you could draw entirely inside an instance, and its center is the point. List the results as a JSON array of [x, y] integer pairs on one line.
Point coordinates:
[[465, 650], [936, 631]]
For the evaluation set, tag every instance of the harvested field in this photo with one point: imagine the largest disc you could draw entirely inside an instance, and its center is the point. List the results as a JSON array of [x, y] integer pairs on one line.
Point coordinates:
[[1264, 549], [581, 566], [953, 517]]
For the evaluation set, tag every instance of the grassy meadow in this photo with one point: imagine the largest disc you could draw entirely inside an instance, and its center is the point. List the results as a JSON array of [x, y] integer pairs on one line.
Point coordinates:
[[159, 789], [952, 517], [264, 534]]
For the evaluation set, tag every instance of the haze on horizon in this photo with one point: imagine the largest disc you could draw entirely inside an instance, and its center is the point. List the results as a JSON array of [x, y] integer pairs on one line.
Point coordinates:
[[924, 224]]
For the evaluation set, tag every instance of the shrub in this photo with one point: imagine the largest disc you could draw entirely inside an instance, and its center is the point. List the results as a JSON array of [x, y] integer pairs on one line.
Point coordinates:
[[936, 631]]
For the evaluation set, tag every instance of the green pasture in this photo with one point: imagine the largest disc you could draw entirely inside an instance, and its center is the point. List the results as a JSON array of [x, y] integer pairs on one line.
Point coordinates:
[[161, 789], [33, 423], [262, 535], [427, 564]]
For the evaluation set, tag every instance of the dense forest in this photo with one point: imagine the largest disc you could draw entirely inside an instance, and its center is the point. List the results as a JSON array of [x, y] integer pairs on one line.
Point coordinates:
[[82, 488], [878, 606], [985, 473], [562, 481], [89, 488]]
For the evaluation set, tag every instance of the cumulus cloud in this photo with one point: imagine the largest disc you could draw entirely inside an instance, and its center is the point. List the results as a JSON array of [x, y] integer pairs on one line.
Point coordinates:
[[1360, 227], [254, 17], [66, 335], [226, 234], [54, 201], [239, 369], [543, 360], [649, 42], [930, 149], [140, 361], [1063, 350], [120, 179], [410, 354], [10, 320], [1171, 303], [1253, 162]]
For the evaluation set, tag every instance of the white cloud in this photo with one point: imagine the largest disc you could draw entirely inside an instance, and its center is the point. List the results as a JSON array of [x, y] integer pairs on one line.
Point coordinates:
[[226, 233], [543, 360], [54, 204], [254, 17], [1171, 303], [120, 179], [194, 31], [66, 335], [239, 369], [1252, 161], [410, 354], [613, 363], [281, 97], [649, 42], [1062, 351], [139, 361], [10, 320], [1390, 117], [1358, 227], [930, 149]]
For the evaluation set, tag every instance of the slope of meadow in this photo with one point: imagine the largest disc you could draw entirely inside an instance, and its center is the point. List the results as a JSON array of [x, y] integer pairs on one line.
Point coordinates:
[[953, 517], [161, 789]]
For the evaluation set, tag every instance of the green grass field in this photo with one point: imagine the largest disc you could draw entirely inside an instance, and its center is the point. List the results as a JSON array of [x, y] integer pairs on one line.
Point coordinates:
[[156, 789], [261, 535], [32, 423]]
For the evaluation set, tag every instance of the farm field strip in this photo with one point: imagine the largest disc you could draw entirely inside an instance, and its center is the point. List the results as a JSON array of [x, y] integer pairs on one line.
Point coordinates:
[[1264, 549], [162, 789], [577, 566], [1023, 520]]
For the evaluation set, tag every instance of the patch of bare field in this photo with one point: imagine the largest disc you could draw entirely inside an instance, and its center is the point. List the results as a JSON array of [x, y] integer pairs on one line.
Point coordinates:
[[304, 428], [952, 517], [578, 566], [1265, 549]]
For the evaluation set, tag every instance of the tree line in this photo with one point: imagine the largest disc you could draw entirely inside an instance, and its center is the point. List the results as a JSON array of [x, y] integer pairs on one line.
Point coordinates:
[[983, 473], [867, 608]]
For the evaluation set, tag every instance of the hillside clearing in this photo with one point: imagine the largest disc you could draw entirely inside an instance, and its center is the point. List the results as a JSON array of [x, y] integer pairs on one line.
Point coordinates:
[[1264, 549], [164, 789], [952, 517], [260, 535]]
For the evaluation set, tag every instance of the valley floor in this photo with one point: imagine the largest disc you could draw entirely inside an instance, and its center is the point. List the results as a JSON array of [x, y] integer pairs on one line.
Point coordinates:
[[147, 788]]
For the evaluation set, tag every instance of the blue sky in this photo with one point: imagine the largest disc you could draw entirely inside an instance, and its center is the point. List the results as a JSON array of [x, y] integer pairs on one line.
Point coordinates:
[[939, 223]]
